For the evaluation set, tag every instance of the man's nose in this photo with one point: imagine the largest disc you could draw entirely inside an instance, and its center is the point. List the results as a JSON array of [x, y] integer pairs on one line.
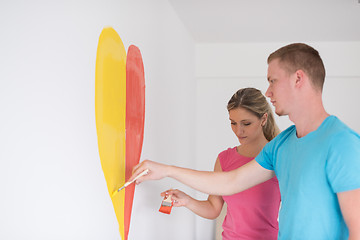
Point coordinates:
[[268, 93]]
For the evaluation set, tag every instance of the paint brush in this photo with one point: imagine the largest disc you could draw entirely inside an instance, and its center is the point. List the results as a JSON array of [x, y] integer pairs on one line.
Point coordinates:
[[146, 171], [166, 205]]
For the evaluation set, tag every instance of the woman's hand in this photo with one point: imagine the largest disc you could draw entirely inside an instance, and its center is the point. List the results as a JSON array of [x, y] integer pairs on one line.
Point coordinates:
[[180, 199]]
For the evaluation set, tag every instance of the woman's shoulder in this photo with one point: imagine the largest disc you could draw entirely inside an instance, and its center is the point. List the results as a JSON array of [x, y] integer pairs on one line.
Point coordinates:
[[225, 153]]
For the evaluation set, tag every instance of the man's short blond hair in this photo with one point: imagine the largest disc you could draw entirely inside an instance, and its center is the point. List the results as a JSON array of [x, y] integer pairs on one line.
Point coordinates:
[[298, 56]]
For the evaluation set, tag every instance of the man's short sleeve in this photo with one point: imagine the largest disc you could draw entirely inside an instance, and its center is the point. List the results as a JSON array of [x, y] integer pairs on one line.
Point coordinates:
[[265, 157], [343, 163]]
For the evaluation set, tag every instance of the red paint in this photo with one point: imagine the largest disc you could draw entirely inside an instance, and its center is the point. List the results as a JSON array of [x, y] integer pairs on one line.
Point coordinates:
[[135, 117], [165, 209]]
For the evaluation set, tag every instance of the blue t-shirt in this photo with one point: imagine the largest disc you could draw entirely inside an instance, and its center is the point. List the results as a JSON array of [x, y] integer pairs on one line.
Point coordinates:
[[310, 171]]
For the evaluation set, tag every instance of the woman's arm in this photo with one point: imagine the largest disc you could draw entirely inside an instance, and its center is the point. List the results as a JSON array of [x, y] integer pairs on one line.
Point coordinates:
[[209, 208]]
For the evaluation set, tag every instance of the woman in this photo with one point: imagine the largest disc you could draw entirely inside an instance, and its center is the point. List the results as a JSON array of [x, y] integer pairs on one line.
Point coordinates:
[[251, 214]]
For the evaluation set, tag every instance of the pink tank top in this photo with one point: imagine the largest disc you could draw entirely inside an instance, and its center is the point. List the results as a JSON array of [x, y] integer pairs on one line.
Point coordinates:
[[251, 214]]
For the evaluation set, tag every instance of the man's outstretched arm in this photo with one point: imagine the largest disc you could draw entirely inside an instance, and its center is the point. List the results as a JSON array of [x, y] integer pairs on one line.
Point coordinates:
[[214, 183]]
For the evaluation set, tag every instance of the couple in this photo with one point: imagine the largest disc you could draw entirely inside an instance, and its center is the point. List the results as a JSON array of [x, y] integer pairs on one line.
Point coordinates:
[[314, 164]]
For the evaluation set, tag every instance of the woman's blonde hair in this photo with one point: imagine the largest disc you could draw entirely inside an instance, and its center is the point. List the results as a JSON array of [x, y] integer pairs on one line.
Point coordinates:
[[255, 102]]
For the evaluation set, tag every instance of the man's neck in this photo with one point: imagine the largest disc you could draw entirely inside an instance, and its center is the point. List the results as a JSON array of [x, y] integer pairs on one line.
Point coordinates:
[[310, 118]]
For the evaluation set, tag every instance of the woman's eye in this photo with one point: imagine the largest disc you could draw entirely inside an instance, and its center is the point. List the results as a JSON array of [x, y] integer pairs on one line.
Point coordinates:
[[246, 124], [233, 123]]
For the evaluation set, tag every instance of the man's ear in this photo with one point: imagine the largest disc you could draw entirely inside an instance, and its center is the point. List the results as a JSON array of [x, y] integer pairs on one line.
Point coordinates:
[[299, 78]]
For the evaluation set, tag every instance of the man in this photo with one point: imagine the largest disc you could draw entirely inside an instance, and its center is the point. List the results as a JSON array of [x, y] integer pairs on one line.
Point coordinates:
[[317, 161]]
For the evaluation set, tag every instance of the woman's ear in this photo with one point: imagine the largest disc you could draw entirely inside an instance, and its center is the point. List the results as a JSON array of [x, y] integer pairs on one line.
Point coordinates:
[[264, 119]]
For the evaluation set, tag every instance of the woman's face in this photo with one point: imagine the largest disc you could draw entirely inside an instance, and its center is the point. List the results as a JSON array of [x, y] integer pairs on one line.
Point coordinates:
[[246, 126]]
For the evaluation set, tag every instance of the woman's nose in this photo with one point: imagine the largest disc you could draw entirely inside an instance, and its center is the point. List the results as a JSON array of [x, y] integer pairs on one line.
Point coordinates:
[[239, 130]]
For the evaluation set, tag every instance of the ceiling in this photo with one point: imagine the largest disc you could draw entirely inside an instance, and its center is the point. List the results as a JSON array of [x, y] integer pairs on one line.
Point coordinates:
[[215, 21]]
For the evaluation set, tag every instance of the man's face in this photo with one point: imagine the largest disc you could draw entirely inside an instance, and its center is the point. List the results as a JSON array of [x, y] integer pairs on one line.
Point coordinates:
[[279, 90]]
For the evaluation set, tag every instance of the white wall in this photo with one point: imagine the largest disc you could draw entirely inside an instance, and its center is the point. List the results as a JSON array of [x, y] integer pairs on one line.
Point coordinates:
[[52, 185], [221, 69], [51, 182]]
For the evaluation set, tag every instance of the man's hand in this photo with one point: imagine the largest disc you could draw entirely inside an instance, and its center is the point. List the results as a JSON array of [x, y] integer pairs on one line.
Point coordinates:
[[156, 171]]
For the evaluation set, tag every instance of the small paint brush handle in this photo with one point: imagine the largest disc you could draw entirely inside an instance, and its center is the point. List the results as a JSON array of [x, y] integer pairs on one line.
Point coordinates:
[[146, 171], [128, 183]]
